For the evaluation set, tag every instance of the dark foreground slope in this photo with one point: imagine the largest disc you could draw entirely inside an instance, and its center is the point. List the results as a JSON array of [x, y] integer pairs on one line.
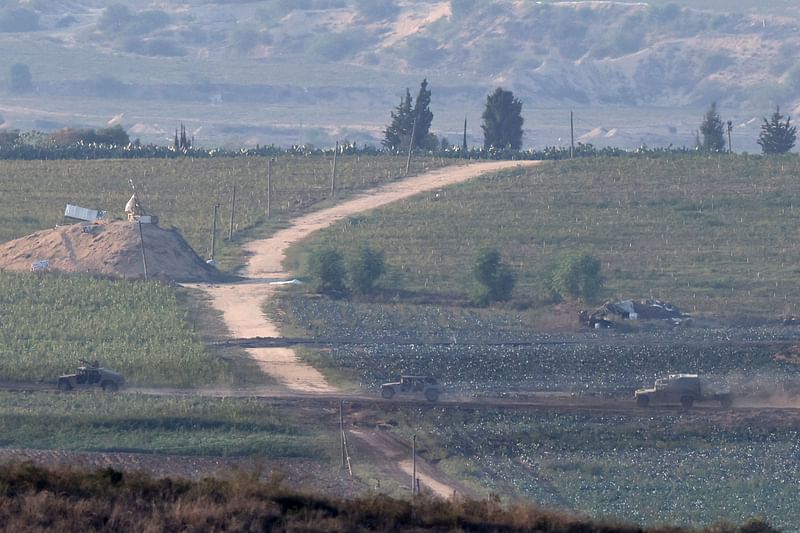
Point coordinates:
[[36, 499]]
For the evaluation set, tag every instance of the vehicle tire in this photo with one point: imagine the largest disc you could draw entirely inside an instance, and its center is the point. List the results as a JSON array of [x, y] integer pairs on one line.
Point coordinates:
[[726, 402], [431, 395], [109, 386], [387, 393], [687, 402], [642, 401], [63, 385]]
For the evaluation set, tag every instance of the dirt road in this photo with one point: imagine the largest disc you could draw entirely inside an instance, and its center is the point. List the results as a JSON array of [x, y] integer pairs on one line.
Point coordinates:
[[241, 303]]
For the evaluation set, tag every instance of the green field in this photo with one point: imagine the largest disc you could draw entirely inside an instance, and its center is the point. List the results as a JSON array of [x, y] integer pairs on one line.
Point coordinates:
[[714, 235], [49, 322], [183, 192], [167, 425], [678, 469]]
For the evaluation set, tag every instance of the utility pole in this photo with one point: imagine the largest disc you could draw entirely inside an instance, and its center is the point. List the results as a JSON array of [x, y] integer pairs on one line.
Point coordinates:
[[269, 185], [411, 145], [730, 129], [571, 136], [214, 232], [144, 257], [233, 209], [464, 143], [333, 171], [341, 430]]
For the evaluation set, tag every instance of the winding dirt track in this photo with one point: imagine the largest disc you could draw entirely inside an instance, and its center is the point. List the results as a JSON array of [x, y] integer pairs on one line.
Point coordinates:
[[241, 303]]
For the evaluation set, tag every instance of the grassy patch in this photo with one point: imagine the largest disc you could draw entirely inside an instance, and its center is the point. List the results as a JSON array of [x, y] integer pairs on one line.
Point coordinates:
[[170, 425]]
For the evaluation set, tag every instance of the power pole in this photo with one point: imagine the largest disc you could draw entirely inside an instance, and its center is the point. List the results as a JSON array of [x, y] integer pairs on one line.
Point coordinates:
[[269, 184], [464, 142], [571, 136], [233, 209], [413, 473], [730, 129], [411, 145], [214, 232], [333, 171], [144, 257]]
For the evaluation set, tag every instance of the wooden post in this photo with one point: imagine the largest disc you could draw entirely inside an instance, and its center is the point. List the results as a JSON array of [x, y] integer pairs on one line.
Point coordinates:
[[214, 232], [233, 209], [730, 129], [341, 431], [269, 186], [464, 142], [333, 171], [413, 466], [411, 146], [144, 257], [571, 136]]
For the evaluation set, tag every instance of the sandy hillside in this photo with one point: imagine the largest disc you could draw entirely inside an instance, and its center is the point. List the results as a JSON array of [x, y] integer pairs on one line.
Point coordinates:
[[109, 249]]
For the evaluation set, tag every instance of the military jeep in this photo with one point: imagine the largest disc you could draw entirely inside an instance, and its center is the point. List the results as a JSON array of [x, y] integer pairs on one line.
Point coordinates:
[[684, 388], [91, 375], [413, 387]]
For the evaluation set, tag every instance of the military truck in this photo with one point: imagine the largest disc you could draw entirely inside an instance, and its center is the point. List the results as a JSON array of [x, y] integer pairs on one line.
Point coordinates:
[[91, 375], [413, 387], [684, 388]]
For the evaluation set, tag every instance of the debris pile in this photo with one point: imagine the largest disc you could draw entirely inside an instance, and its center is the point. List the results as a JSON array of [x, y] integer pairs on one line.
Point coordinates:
[[112, 249], [604, 316]]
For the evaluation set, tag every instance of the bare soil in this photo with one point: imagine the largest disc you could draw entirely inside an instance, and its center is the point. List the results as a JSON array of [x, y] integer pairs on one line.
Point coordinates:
[[112, 249]]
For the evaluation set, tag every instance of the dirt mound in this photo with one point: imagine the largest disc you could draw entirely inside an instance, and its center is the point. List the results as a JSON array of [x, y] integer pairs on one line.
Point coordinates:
[[109, 249]]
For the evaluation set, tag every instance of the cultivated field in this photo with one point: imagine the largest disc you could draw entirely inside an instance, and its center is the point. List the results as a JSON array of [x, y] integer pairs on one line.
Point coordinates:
[[679, 469], [183, 192], [713, 235]]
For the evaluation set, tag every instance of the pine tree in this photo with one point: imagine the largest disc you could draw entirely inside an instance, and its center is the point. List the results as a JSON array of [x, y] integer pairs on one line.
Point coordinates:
[[399, 131], [502, 121], [712, 131], [777, 137]]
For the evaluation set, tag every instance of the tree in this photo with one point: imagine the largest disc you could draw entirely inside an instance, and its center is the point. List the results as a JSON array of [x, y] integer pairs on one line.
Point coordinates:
[[502, 121], [496, 281], [409, 116], [777, 137], [423, 116], [20, 79], [577, 275], [399, 131], [364, 269], [712, 131], [326, 269]]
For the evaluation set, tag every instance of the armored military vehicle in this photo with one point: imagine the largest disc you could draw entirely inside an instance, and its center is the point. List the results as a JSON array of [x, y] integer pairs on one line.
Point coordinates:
[[91, 375], [684, 388], [413, 387]]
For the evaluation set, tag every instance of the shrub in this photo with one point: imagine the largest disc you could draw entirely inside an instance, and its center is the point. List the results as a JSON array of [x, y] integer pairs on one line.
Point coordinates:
[[495, 279], [577, 275], [327, 271], [364, 269]]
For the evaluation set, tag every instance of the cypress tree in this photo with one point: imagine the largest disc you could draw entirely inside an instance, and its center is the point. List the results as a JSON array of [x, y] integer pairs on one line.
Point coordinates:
[[502, 121], [712, 131], [399, 130]]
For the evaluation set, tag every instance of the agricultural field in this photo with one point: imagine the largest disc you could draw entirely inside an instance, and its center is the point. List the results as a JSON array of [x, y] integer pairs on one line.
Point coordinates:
[[183, 192], [491, 351], [678, 469], [152, 424], [49, 322], [714, 235]]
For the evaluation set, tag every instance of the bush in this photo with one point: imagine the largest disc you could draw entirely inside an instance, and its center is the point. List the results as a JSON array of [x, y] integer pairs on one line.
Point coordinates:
[[327, 272], [364, 269], [577, 275], [495, 279]]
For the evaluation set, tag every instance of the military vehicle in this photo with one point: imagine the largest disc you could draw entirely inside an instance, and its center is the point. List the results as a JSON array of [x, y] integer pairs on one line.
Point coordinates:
[[413, 387], [684, 388], [89, 376]]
